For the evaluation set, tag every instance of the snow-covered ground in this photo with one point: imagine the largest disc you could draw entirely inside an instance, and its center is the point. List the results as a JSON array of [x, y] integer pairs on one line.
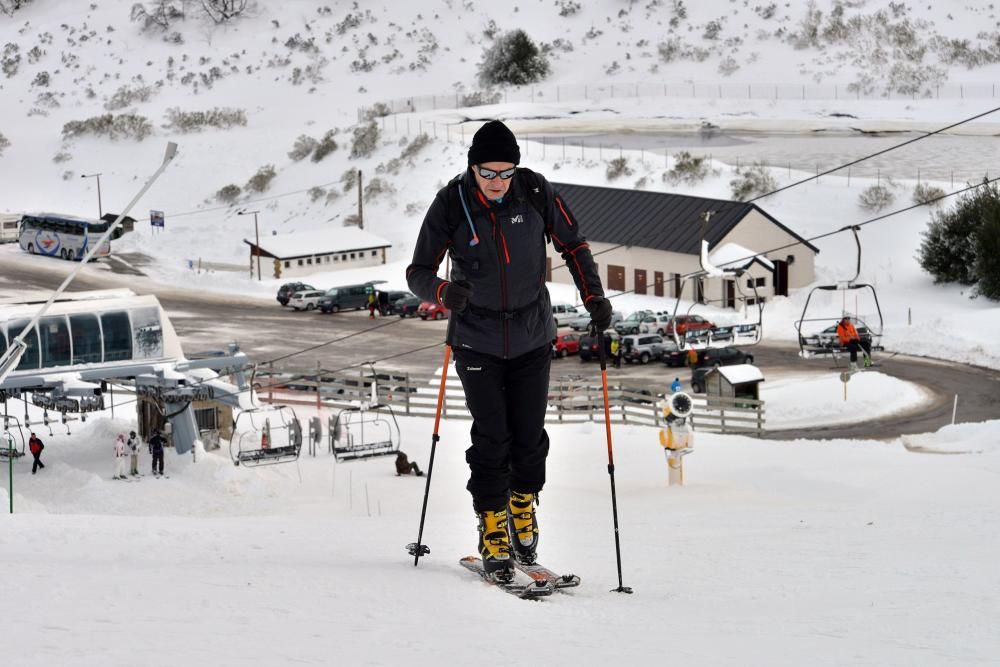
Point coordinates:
[[788, 553]]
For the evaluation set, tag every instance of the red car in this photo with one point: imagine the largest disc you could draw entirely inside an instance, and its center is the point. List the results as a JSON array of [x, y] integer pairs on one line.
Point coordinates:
[[685, 323], [565, 344], [432, 311]]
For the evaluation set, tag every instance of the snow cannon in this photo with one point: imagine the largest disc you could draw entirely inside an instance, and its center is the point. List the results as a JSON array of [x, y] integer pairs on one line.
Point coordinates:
[[676, 435]]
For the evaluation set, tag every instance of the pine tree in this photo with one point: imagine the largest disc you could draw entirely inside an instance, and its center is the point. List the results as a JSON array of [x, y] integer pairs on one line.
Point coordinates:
[[949, 249], [988, 256]]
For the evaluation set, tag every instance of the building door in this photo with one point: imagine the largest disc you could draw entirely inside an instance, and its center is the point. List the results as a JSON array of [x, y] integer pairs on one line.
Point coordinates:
[[548, 269], [658, 283], [616, 277], [780, 277], [699, 290], [729, 300], [640, 281], [677, 286]]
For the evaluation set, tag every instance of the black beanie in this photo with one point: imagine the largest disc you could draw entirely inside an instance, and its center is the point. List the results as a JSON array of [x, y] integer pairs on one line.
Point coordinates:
[[494, 142]]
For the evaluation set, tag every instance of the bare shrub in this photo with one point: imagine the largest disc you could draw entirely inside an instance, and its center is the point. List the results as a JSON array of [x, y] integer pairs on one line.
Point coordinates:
[[196, 121], [481, 97], [617, 168], [376, 187], [377, 110], [126, 96], [876, 197], [325, 146], [222, 11], [315, 193], [303, 148], [927, 194], [229, 194], [688, 169], [751, 181], [158, 16], [10, 59], [4, 143], [365, 140], [122, 126], [261, 181], [61, 156], [415, 146]]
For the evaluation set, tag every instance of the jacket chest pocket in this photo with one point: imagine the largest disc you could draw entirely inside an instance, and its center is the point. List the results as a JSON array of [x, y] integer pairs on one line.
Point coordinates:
[[525, 237]]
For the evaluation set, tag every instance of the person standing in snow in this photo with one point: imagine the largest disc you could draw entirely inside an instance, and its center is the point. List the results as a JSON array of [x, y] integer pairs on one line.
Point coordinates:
[[120, 453], [156, 443], [494, 220], [36, 446], [616, 352], [372, 304], [675, 386], [850, 339], [405, 467], [133, 447]]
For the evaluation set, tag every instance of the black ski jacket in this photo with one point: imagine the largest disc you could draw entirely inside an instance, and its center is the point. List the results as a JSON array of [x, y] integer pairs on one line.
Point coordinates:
[[499, 247]]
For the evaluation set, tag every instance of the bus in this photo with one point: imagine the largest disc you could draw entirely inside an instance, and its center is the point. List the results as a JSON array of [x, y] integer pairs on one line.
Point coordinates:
[[62, 236], [9, 224]]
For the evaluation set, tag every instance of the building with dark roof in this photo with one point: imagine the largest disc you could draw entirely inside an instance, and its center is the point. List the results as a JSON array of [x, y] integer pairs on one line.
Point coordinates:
[[646, 241]]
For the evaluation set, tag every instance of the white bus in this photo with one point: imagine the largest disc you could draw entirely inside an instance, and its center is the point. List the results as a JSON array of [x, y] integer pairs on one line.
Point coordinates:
[[9, 224], [62, 236]]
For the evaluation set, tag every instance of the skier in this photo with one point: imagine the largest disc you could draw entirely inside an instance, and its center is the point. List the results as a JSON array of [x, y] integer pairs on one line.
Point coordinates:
[[156, 444], [850, 339], [616, 352], [493, 219], [133, 448], [372, 305], [120, 450], [675, 386], [36, 446], [404, 466]]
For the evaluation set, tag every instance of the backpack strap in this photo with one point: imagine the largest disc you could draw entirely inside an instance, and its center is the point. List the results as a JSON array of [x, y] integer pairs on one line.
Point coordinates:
[[535, 192]]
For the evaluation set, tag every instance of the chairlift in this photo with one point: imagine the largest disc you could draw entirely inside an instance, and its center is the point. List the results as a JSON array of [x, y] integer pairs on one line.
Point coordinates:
[[11, 439], [737, 335], [820, 344], [366, 430], [266, 436]]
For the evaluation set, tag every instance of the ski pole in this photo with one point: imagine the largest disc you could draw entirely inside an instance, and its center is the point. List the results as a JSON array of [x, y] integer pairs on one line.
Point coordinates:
[[418, 549], [611, 461]]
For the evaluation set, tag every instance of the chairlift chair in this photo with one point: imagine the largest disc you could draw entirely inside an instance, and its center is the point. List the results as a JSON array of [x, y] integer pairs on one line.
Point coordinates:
[[266, 436], [11, 439], [814, 345], [736, 335], [366, 430]]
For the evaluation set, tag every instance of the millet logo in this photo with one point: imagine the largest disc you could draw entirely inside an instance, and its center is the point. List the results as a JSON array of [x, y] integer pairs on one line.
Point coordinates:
[[517, 219]]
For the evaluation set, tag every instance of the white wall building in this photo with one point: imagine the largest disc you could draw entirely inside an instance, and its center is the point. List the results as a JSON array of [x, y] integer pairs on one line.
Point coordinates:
[[298, 254]]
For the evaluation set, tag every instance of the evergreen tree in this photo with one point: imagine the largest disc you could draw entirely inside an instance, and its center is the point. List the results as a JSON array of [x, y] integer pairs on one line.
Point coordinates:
[[988, 255], [949, 249], [513, 59]]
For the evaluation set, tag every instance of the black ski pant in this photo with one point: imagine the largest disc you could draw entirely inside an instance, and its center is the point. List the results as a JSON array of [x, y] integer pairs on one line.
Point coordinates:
[[856, 345], [507, 399], [158, 461], [37, 464]]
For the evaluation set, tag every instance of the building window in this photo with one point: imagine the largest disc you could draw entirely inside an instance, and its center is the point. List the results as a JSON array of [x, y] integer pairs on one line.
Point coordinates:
[[354, 255], [335, 258], [117, 336], [343, 257], [374, 252], [761, 282], [207, 419], [309, 261], [299, 262], [86, 334], [288, 264]]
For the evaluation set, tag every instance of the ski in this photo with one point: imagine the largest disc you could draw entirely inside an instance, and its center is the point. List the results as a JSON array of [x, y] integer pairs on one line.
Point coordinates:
[[541, 573], [526, 591]]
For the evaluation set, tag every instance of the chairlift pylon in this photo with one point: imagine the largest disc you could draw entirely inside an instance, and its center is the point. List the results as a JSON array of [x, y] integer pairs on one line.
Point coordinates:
[[817, 344], [266, 436], [737, 335]]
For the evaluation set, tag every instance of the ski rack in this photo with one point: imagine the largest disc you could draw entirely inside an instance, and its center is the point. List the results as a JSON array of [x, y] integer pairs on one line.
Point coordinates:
[[256, 446], [737, 335], [814, 345]]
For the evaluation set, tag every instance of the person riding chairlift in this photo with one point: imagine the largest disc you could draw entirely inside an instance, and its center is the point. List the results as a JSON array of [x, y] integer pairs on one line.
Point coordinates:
[[850, 339]]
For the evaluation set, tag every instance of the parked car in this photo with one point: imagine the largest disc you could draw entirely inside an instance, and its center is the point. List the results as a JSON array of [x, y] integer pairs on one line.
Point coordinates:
[[631, 324], [672, 355], [348, 297], [828, 337], [432, 311], [306, 300], [388, 299], [563, 313], [582, 323], [407, 306], [714, 357], [589, 349], [286, 291], [641, 348], [685, 323], [565, 344], [658, 324]]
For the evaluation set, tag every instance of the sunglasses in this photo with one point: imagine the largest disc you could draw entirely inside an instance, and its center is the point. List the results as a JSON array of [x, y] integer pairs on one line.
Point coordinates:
[[490, 174]]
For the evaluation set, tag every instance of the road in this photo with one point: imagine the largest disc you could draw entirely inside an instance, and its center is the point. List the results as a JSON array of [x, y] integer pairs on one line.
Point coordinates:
[[266, 331]]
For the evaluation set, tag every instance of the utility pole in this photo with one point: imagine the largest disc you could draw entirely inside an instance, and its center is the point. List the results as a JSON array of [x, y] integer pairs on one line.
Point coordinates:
[[256, 231], [361, 212], [100, 210]]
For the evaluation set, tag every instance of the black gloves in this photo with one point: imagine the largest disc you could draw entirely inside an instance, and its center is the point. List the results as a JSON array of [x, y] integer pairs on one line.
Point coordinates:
[[600, 313], [456, 296]]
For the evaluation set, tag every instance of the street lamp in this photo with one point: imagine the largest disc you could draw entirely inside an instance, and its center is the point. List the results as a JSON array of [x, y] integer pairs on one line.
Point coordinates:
[[256, 230], [100, 211]]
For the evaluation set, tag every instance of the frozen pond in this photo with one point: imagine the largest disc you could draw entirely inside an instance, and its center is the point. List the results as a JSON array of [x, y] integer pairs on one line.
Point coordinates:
[[941, 157]]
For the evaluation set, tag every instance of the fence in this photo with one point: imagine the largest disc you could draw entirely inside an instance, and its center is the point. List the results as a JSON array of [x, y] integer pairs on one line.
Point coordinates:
[[571, 400], [721, 90]]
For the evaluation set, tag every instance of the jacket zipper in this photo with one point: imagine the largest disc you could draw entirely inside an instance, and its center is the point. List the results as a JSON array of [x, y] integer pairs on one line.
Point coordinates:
[[503, 281]]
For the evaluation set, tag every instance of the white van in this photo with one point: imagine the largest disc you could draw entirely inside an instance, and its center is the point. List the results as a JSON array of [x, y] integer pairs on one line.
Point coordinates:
[[9, 224], [564, 313]]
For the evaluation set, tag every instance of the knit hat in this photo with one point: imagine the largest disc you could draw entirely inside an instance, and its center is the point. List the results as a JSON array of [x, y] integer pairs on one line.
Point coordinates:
[[494, 142]]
